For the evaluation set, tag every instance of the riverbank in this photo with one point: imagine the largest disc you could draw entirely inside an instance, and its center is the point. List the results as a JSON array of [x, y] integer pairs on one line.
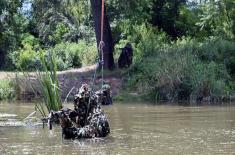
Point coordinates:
[[67, 80]]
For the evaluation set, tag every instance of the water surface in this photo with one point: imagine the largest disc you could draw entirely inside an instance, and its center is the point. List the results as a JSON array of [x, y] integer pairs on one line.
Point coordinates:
[[135, 129]]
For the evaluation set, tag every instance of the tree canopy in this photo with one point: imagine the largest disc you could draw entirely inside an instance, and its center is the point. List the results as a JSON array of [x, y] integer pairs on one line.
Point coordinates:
[[59, 21]]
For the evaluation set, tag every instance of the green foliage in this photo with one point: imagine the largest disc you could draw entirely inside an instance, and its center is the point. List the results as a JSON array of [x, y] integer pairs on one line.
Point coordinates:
[[12, 25], [61, 21], [30, 39], [72, 55], [88, 53], [220, 51], [27, 58], [137, 11], [177, 71], [7, 90], [166, 16], [208, 80], [147, 40], [187, 21], [49, 85], [61, 30], [176, 18], [68, 55], [217, 18], [183, 49]]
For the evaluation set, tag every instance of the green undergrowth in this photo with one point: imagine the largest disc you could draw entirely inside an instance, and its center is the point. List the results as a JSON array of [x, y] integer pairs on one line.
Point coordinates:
[[186, 69], [68, 55], [7, 89], [47, 85]]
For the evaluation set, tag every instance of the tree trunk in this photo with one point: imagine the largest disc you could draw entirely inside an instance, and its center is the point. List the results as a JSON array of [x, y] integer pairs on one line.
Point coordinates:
[[96, 6], [2, 59]]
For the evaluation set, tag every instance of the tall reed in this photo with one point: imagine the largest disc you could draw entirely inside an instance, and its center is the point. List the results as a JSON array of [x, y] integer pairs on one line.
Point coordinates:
[[49, 85]]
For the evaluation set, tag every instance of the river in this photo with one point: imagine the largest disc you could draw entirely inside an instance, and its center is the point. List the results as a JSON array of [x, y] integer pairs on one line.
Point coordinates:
[[135, 129]]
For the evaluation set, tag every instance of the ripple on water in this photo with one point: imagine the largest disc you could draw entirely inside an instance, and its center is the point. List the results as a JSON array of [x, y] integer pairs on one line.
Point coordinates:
[[4, 115], [12, 124], [134, 130]]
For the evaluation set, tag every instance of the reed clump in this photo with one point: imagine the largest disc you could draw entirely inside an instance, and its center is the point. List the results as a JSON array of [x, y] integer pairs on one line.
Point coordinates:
[[49, 85]]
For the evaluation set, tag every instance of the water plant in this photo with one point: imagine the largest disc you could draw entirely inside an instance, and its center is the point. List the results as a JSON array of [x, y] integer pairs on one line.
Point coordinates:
[[49, 85]]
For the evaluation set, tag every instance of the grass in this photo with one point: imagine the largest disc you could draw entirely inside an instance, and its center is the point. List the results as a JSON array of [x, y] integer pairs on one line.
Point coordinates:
[[183, 71], [48, 85], [7, 90]]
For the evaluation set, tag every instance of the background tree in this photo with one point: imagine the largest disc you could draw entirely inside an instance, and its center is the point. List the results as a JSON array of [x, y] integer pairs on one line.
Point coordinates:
[[107, 35], [216, 18], [166, 15], [11, 27]]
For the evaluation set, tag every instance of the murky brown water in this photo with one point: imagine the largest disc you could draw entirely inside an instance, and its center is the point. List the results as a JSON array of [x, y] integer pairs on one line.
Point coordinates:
[[136, 129]]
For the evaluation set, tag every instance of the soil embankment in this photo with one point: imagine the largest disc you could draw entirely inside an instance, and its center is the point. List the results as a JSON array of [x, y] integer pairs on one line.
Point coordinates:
[[67, 80]]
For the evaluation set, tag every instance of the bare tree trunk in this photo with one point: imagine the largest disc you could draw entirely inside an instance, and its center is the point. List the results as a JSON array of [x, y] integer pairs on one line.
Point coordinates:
[[107, 36]]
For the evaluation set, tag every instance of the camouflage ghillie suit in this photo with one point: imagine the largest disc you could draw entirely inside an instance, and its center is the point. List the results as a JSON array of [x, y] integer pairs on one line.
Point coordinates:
[[86, 120], [104, 95]]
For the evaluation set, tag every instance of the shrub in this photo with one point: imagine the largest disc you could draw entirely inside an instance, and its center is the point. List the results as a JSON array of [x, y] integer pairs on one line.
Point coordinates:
[[145, 39], [72, 55], [219, 50], [6, 90], [89, 55], [177, 71], [68, 55], [26, 58]]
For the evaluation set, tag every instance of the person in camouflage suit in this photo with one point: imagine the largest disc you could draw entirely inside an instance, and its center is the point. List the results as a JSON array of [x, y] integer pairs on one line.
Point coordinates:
[[104, 94], [87, 120]]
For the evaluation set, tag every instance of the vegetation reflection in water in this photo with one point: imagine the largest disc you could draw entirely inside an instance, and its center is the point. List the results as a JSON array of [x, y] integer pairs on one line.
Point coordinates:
[[135, 129]]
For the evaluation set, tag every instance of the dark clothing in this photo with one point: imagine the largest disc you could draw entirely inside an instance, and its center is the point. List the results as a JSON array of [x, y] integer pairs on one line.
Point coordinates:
[[125, 58]]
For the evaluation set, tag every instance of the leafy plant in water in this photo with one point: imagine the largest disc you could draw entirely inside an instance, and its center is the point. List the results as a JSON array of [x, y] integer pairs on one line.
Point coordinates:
[[49, 85]]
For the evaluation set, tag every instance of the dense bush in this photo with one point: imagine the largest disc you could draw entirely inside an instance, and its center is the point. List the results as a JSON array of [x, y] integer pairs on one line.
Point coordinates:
[[7, 90], [221, 51], [72, 55], [182, 70], [26, 58], [145, 40], [68, 55]]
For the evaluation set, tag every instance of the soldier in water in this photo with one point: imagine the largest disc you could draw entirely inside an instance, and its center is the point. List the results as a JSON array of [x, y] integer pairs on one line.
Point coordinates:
[[87, 120], [104, 94]]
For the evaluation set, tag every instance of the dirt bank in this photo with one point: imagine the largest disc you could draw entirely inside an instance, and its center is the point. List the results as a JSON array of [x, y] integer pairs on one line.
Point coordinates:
[[67, 80]]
